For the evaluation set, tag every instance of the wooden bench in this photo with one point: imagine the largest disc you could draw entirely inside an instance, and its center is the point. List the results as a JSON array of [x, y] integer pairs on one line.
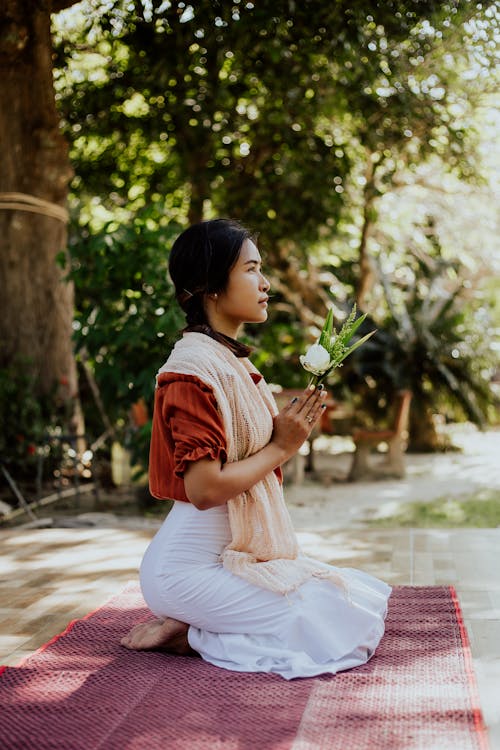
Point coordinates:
[[367, 440]]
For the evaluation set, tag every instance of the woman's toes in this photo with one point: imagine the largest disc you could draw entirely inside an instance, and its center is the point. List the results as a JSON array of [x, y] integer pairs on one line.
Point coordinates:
[[155, 634], [133, 638]]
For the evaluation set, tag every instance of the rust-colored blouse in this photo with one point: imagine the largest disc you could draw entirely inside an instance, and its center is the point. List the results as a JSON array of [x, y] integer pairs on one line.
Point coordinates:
[[187, 426]]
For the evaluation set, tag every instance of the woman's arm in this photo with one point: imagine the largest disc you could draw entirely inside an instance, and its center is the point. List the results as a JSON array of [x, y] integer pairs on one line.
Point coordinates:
[[210, 483]]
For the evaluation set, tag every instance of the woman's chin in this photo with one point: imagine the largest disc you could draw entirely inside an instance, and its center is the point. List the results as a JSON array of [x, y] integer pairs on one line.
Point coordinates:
[[258, 318]]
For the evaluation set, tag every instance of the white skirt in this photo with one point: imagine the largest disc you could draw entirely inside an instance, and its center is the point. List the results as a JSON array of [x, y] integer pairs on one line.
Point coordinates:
[[233, 624]]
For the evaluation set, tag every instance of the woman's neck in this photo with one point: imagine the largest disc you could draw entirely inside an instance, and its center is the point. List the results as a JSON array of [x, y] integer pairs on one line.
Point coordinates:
[[222, 325], [237, 347]]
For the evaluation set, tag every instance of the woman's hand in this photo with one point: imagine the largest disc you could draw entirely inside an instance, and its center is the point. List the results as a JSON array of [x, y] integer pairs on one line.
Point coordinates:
[[210, 483], [296, 420]]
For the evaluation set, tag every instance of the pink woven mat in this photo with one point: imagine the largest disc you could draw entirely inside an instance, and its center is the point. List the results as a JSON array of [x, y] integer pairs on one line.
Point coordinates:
[[83, 691]]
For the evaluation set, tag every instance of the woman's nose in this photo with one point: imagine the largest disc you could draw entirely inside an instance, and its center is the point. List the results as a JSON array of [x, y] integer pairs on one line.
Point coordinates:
[[265, 284]]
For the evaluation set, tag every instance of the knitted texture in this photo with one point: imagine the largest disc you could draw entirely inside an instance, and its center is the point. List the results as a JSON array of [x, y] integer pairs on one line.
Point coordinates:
[[263, 549], [86, 692]]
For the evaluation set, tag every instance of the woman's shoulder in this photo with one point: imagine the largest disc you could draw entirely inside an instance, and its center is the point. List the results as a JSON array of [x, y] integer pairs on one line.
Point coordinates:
[[178, 393], [182, 381], [198, 355]]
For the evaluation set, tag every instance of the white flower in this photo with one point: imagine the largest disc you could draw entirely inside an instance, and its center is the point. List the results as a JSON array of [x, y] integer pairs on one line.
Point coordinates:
[[315, 360]]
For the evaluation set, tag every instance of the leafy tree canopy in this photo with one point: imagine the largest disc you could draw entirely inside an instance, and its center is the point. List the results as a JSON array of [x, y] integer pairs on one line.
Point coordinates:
[[260, 110], [300, 119]]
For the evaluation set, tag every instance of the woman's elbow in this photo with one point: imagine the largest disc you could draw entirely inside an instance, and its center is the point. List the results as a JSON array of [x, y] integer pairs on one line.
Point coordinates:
[[202, 484], [200, 503], [203, 499]]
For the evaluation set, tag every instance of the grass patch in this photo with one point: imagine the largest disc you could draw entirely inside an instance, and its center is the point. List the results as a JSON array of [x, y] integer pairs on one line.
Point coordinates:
[[481, 510]]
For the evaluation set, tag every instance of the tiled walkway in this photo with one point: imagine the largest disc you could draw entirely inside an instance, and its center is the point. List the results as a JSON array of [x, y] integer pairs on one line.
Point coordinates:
[[51, 576]]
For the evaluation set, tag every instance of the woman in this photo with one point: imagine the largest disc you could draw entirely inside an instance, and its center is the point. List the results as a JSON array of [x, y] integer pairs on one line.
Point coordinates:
[[224, 575]]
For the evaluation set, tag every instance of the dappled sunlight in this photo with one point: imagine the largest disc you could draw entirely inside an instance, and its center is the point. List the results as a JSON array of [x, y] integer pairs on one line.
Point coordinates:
[[387, 509], [9, 565], [58, 537], [327, 549], [46, 688], [341, 548]]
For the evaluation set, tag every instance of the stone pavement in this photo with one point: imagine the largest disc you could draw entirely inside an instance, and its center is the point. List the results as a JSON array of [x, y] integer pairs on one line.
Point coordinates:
[[50, 576]]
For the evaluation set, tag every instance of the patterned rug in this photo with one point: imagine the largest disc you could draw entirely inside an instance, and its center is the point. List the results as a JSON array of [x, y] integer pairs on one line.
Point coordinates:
[[83, 691]]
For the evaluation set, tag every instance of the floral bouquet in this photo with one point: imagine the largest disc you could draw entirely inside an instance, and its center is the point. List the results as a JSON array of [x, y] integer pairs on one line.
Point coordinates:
[[332, 348]]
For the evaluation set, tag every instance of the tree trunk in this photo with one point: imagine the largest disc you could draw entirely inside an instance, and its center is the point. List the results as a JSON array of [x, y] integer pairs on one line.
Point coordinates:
[[199, 192], [366, 273], [423, 435], [37, 303]]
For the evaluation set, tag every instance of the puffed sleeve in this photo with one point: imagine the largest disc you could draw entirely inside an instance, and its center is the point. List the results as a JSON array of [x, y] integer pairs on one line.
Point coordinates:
[[191, 416]]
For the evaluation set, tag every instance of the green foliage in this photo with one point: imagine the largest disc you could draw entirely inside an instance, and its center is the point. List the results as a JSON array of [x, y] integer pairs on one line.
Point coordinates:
[[31, 427], [126, 317], [476, 511], [21, 416], [261, 111], [434, 340], [278, 345], [295, 118]]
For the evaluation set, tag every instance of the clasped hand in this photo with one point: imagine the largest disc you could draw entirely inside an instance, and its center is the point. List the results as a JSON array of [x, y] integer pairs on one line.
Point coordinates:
[[297, 419]]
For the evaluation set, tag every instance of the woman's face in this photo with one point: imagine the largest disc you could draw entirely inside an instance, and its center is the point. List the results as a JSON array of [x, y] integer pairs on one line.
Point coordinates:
[[245, 298]]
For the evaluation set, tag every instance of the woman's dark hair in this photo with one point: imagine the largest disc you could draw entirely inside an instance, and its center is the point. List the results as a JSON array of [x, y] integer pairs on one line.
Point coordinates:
[[199, 264]]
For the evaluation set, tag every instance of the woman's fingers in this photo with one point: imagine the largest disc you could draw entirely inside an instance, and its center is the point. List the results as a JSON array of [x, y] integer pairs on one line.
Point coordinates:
[[307, 407], [310, 400], [290, 404], [314, 397], [305, 401], [316, 410], [295, 422]]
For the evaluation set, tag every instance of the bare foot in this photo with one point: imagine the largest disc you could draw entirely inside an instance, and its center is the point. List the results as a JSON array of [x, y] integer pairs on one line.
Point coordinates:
[[169, 633]]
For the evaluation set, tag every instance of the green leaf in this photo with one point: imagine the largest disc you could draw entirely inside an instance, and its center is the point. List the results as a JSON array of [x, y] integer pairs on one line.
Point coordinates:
[[354, 327], [326, 334], [355, 346]]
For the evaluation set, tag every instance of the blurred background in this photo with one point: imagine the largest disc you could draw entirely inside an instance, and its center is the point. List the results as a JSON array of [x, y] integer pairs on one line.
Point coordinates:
[[359, 141]]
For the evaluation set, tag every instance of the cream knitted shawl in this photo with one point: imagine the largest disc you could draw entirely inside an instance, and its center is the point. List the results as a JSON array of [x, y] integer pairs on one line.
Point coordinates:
[[264, 548]]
